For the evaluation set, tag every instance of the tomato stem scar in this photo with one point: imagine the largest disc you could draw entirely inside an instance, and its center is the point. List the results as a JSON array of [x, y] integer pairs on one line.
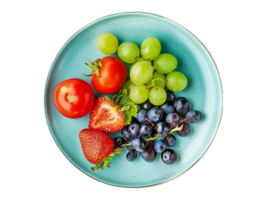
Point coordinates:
[[70, 98]]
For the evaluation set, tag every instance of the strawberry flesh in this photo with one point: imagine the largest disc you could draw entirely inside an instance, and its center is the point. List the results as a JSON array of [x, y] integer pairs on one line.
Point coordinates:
[[105, 117]]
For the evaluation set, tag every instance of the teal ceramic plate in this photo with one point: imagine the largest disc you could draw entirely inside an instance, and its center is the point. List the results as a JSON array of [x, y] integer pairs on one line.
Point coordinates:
[[204, 91]]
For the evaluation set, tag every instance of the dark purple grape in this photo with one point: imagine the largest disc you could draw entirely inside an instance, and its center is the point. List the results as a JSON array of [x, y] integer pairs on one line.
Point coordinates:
[[169, 156], [145, 129], [142, 114], [130, 148], [193, 116], [185, 130], [131, 156], [159, 146], [170, 96], [167, 108], [119, 141], [162, 128], [149, 154], [170, 140], [181, 105], [139, 144], [133, 128], [146, 105], [155, 114], [172, 119], [125, 132]]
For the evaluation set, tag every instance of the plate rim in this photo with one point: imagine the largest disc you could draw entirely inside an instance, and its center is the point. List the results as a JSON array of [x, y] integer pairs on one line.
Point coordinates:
[[151, 186]]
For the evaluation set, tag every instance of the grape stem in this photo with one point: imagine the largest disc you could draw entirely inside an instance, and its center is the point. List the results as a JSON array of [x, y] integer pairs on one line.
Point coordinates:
[[177, 128], [182, 122], [150, 122], [153, 84]]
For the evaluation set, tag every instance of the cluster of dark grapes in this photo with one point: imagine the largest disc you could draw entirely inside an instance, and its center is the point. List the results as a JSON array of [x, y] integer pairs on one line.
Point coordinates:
[[153, 122]]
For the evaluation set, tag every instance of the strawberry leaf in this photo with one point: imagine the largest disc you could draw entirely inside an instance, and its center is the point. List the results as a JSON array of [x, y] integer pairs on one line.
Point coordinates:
[[108, 99], [124, 101], [97, 166], [107, 162], [132, 112], [112, 154], [117, 150], [125, 108]]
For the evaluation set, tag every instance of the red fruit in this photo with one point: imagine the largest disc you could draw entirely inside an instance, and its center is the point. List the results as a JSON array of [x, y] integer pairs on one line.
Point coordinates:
[[105, 116], [96, 145], [108, 74]]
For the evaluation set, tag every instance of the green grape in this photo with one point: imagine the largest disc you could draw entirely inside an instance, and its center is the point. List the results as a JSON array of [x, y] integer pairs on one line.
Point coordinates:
[[128, 86], [176, 81], [150, 48], [140, 72], [139, 94], [107, 43], [157, 96], [165, 63], [128, 52], [157, 83]]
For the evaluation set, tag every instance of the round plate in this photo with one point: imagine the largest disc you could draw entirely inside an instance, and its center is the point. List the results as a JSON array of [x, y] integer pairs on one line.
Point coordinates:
[[204, 92]]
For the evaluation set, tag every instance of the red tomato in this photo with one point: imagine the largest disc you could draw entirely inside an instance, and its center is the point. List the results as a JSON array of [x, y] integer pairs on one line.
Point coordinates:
[[74, 98], [112, 76]]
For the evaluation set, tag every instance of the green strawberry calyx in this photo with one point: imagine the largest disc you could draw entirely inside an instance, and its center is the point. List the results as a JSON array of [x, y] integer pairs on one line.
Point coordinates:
[[106, 160], [124, 105]]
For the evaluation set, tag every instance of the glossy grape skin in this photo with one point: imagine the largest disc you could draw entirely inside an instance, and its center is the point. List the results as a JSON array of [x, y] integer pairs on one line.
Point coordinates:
[[172, 119], [157, 96], [150, 48], [139, 144], [157, 83], [119, 141], [131, 156], [181, 105], [128, 85], [107, 43], [159, 146], [176, 81], [170, 140], [155, 114], [193, 116], [130, 148], [185, 130], [139, 94], [128, 52], [170, 96], [162, 128], [149, 154], [133, 128], [142, 114], [167, 108], [146, 105], [125, 132], [141, 72], [145, 129], [165, 63], [169, 156]]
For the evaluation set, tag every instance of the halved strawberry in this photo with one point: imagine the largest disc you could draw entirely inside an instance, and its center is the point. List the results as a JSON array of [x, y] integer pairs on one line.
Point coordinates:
[[104, 117], [111, 115]]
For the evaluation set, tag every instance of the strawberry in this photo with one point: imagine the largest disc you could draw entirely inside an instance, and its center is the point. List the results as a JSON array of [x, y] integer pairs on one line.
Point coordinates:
[[97, 147], [111, 115]]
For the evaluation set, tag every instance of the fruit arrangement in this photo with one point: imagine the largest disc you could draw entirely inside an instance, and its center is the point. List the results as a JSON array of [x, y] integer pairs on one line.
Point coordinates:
[[147, 114]]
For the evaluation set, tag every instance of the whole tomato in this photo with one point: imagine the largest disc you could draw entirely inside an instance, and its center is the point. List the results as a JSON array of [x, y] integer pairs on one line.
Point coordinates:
[[108, 75], [74, 98]]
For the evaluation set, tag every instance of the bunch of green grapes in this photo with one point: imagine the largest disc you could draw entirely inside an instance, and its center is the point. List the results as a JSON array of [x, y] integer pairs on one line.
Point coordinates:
[[145, 83]]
